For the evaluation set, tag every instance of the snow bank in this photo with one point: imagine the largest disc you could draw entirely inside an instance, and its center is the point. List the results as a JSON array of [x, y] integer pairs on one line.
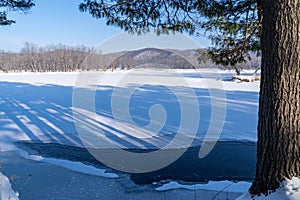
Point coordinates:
[[70, 165], [226, 186], [290, 190], [6, 192]]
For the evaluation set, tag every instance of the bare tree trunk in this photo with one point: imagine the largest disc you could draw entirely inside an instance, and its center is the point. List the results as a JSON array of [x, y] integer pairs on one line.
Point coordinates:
[[278, 155], [238, 70]]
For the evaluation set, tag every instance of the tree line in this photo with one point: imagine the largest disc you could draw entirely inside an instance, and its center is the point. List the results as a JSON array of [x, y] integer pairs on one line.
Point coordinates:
[[53, 58], [235, 28], [268, 27], [63, 58]]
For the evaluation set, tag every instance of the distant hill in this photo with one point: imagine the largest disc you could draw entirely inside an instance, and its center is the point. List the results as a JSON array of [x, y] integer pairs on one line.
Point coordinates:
[[159, 58], [66, 58], [154, 58]]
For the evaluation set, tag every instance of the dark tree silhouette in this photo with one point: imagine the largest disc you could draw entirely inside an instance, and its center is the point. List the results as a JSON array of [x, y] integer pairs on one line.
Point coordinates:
[[278, 155], [13, 5], [235, 24], [237, 27]]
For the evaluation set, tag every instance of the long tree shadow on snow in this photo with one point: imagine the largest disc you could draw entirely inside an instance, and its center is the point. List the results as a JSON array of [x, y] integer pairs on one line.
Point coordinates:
[[44, 114]]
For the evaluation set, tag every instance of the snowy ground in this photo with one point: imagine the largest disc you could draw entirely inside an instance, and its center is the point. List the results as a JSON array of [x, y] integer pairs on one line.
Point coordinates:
[[289, 190], [38, 107]]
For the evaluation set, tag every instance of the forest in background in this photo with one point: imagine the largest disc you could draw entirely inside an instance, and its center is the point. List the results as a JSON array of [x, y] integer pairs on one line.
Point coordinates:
[[63, 58]]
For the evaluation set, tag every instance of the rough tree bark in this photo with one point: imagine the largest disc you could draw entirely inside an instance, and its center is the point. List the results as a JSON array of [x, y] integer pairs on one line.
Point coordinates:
[[278, 154]]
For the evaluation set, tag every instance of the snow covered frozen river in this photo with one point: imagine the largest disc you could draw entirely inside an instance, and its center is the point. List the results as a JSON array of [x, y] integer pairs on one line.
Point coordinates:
[[37, 107]]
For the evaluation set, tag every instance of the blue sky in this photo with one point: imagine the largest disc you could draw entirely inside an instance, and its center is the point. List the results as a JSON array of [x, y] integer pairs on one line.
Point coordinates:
[[59, 21]]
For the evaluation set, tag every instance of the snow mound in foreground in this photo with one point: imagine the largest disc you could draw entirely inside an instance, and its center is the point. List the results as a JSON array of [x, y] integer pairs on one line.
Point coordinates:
[[6, 192], [290, 190]]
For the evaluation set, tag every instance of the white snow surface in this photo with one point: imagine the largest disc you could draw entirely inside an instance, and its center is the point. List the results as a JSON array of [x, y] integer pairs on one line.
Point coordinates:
[[289, 190], [6, 192], [38, 107]]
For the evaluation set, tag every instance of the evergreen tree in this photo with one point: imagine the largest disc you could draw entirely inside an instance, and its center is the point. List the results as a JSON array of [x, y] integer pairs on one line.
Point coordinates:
[[12, 5], [237, 27]]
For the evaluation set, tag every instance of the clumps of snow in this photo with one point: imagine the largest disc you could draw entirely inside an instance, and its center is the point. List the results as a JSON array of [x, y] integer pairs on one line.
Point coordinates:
[[289, 190], [228, 186], [70, 165], [6, 192]]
